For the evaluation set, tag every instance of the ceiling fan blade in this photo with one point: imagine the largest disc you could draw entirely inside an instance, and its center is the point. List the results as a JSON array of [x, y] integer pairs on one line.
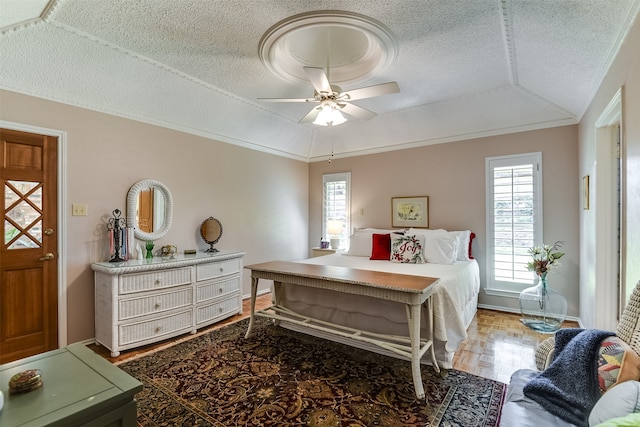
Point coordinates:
[[371, 91], [358, 112], [318, 79], [287, 99], [311, 116]]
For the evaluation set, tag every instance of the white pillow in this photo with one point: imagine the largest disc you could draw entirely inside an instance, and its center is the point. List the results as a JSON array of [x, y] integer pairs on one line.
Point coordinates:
[[361, 241], [426, 231], [441, 249], [360, 244], [620, 400], [462, 251], [378, 230], [463, 247]]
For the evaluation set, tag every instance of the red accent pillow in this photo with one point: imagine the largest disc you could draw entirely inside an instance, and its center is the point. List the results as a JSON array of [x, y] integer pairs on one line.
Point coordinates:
[[471, 237], [381, 247]]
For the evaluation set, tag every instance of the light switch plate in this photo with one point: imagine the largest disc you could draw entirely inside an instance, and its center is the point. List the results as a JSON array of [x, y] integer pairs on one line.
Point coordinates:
[[79, 209]]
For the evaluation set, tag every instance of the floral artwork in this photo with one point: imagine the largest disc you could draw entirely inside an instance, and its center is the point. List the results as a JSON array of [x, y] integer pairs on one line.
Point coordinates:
[[410, 211]]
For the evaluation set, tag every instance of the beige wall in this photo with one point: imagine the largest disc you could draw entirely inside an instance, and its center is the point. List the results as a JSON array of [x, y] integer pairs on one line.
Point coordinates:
[[260, 199], [453, 176], [625, 73]]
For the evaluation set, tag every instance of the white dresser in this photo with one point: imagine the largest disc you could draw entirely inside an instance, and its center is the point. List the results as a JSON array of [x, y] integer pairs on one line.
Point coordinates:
[[139, 302]]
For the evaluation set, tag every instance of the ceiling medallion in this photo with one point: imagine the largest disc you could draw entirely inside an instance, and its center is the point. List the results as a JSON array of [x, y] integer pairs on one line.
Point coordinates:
[[351, 46]]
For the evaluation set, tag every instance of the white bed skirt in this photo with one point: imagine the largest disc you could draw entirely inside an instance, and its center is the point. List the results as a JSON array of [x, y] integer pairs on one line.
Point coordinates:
[[443, 356]]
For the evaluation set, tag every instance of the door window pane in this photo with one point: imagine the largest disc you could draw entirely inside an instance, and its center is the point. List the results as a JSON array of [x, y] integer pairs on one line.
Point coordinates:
[[22, 214]]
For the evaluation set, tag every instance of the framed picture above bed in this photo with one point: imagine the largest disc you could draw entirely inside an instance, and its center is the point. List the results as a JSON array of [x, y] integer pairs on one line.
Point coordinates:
[[410, 211]]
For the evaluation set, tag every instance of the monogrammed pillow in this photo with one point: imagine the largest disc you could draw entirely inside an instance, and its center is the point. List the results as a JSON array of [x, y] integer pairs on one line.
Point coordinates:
[[407, 248]]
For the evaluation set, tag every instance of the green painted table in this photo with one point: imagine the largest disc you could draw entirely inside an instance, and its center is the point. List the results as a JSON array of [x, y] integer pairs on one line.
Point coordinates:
[[80, 389]]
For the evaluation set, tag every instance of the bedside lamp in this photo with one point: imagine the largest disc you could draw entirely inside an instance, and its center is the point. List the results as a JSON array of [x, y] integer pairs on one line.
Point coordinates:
[[334, 229]]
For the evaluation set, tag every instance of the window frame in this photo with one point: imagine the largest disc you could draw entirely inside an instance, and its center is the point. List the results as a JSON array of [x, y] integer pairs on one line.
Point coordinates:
[[505, 287], [336, 177]]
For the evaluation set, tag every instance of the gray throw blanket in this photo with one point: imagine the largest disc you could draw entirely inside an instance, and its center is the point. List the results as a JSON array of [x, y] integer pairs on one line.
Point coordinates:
[[568, 388]]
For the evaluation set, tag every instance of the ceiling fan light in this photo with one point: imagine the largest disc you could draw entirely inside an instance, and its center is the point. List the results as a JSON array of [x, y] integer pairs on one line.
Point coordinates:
[[328, 115]]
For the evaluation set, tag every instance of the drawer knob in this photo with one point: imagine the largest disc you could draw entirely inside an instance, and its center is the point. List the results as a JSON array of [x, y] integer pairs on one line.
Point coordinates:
[[221, 269], [157, 282], [220, 309], [157, 329], [221, 289], [157, 305]]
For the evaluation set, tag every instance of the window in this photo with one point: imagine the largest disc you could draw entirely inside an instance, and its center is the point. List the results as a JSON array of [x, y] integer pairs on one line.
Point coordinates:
[[336, 206], [514, 219]]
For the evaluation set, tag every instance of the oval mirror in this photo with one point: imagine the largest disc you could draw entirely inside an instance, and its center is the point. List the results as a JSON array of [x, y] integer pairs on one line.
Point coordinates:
[[149, 209], [211, 231]]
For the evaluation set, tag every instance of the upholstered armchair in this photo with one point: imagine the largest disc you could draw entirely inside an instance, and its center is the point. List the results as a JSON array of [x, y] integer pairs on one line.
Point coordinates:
[[628, 330], [618, 406]]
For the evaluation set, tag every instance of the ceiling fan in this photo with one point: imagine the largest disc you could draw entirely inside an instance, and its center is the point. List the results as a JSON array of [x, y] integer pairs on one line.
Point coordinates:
[[333, 101]]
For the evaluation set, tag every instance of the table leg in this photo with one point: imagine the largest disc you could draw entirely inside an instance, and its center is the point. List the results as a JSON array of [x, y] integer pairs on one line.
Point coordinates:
[[433, 352], [277, 292], [254, 292], [413, 317], [277, 298]]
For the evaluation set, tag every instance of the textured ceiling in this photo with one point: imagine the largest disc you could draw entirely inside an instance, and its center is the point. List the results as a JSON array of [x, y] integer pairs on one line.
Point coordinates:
[[465, 68]]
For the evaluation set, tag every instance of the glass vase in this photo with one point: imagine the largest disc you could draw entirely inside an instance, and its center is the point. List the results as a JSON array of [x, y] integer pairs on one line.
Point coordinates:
[[542, 308], [149, 246]]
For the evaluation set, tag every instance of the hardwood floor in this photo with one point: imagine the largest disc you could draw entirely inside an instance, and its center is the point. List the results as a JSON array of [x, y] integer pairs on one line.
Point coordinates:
[[497, 344]]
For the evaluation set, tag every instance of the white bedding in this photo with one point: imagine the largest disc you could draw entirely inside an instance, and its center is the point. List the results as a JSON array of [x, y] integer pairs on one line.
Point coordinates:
[[454, 301]]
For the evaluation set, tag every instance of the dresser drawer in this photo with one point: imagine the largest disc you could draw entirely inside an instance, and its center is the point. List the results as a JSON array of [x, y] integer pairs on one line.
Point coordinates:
[[130, 283], [156, 328], [219, 288], [213, 312], [217, 269], [156, 303]]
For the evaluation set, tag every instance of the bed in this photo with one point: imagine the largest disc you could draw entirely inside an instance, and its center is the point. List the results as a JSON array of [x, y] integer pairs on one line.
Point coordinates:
[[454, 298]]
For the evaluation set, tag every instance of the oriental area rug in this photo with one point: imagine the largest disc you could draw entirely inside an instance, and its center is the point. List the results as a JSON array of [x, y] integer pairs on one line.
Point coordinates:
[[279, 377]]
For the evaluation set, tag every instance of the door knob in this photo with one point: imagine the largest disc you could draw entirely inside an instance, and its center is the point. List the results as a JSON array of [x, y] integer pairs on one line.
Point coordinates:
[[46, 257], [48, 231]]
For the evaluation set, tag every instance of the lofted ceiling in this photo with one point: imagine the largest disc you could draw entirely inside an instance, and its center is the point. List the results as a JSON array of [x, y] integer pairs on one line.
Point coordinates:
[[465, 68]]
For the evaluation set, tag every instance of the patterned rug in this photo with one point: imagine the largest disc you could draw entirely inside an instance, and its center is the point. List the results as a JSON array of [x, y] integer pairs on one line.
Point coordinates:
[[279, 377]]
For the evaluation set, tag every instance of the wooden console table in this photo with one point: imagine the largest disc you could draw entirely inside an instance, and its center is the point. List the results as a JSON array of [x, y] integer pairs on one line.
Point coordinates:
[[80, 388], [407, 289]]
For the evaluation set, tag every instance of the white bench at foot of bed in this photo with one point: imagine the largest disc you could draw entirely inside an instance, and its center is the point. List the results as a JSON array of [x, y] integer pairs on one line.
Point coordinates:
[[412, 291]]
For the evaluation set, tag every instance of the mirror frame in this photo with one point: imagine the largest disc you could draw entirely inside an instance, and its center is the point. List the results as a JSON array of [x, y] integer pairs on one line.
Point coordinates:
[[132, 202], [203, 233]]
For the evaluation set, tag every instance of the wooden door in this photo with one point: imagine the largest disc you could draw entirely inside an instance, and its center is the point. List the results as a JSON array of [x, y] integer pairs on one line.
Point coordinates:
[[28, 253], [145, 210]]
